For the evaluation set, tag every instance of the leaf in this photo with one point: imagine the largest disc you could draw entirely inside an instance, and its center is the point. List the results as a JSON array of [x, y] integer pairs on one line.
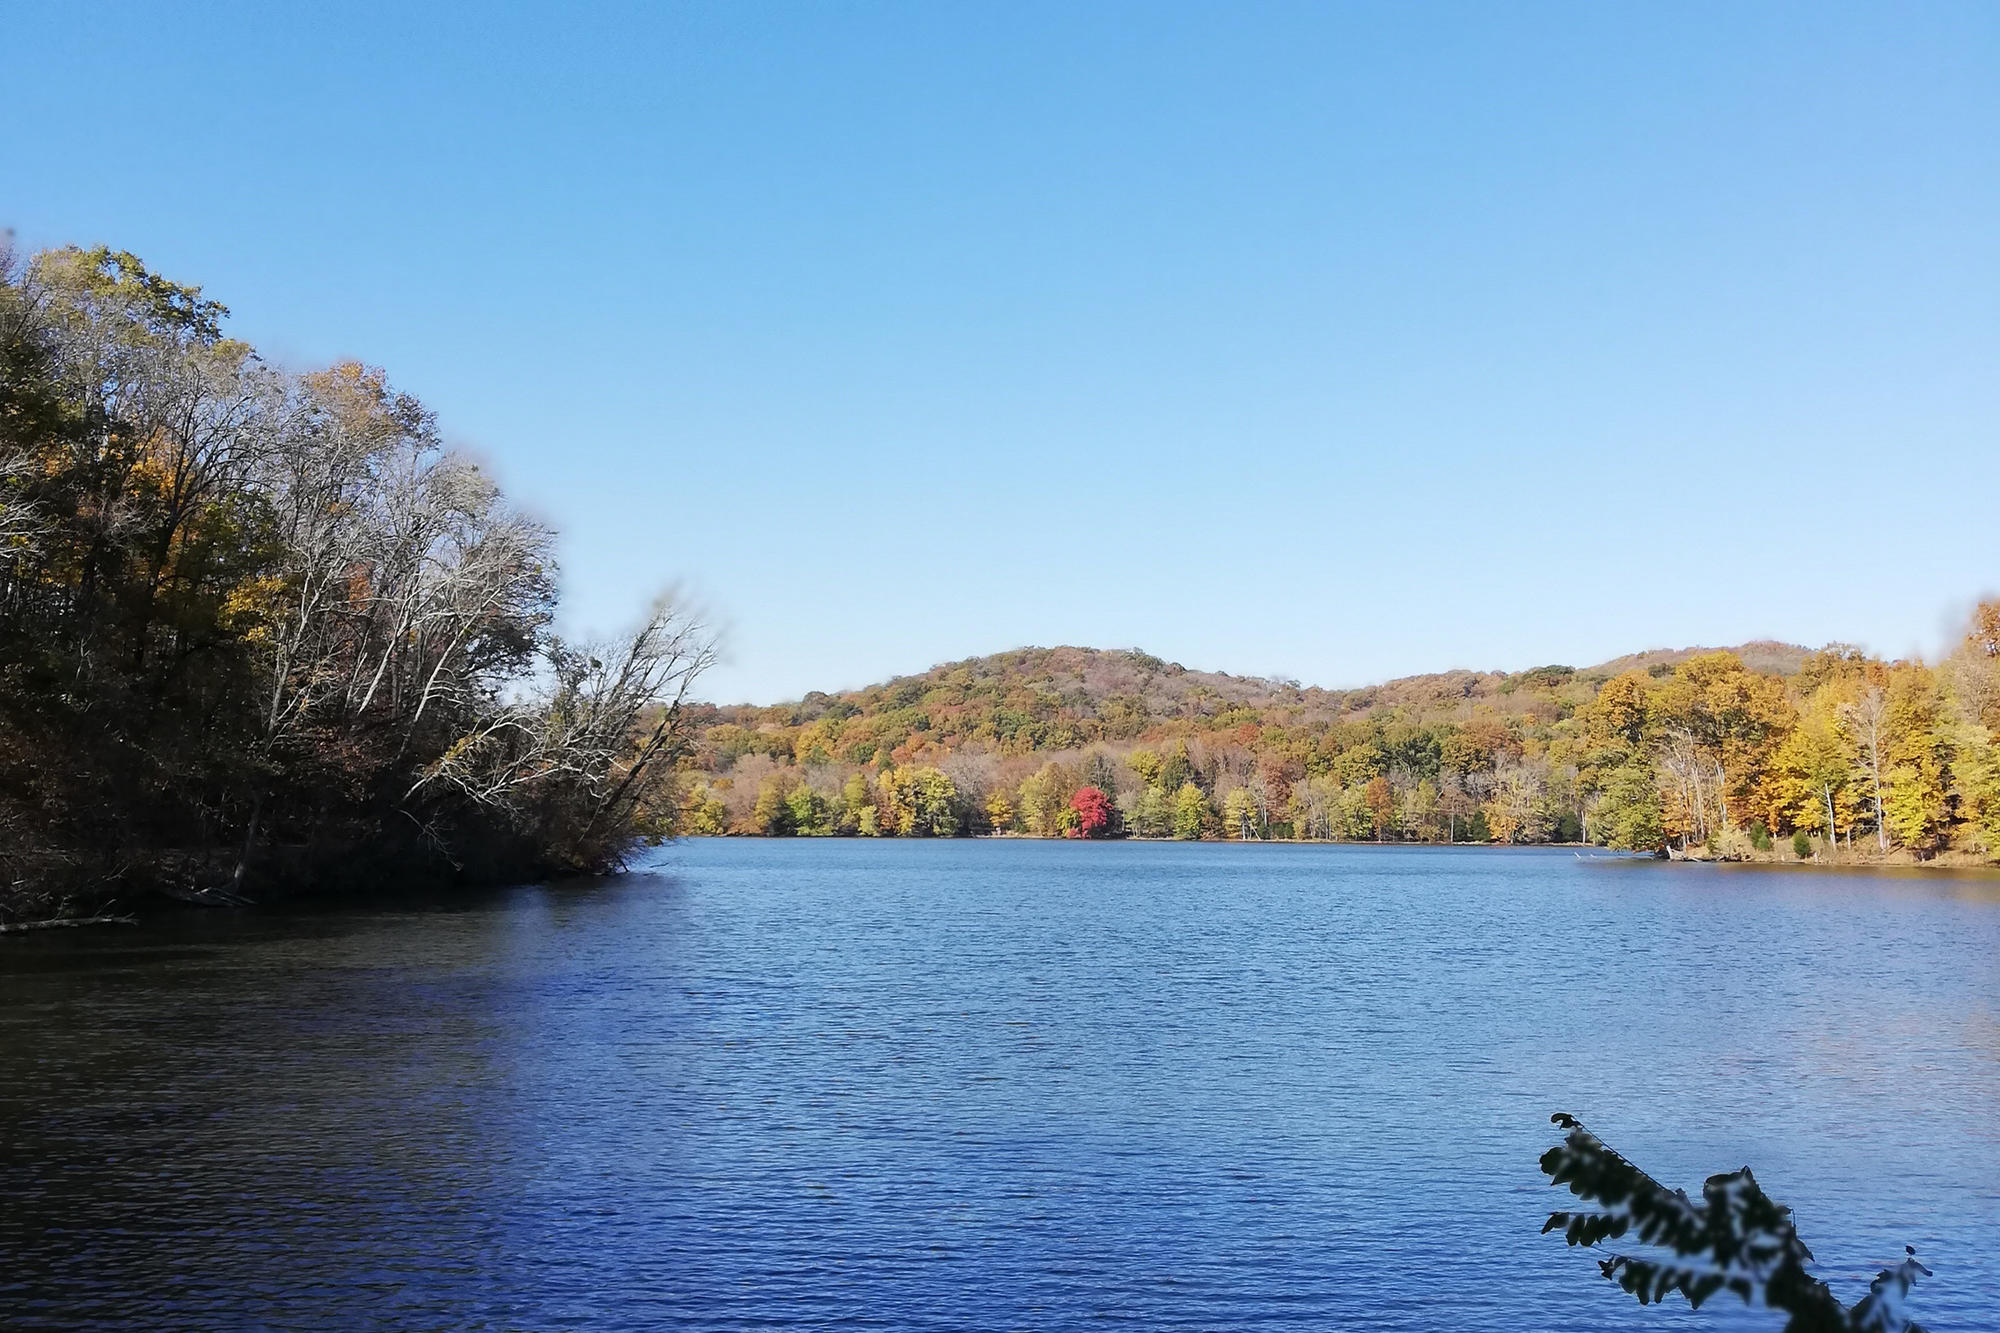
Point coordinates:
[[1737, 1239]]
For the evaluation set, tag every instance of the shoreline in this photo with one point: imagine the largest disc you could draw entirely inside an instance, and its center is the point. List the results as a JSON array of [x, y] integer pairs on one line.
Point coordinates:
[[1955, 861], [153, 907]]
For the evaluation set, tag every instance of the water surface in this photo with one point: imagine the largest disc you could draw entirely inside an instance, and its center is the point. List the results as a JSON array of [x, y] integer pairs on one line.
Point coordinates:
[[988, 1085]]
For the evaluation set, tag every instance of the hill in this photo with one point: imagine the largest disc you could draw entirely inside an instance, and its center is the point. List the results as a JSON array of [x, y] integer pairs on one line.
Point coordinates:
[[1031, 699], [1012, 737], [1766, 656]]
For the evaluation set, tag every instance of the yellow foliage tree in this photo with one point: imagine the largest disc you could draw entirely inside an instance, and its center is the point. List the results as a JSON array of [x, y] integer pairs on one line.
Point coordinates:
[[999, 812], [918, 802], [1619, 713], [1916, 800], [1811, 784], [1044, 796]]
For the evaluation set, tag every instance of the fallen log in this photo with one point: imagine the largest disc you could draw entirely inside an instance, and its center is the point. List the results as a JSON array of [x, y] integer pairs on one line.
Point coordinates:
[[9, 927]]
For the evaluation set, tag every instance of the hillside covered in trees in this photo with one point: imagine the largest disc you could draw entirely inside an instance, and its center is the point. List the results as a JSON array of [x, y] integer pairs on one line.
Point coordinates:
[[261, 629], [1766, 748]]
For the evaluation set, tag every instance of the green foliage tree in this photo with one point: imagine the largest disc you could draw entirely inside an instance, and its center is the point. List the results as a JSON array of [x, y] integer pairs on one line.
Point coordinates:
[[703, 812], [811, 815], [1628, 815], [1102, 773], [1147, 766], [854, 797], [1153, 814], [773, 815], [1044, 796], [1242, 818], [919, 802], [1191, 812]]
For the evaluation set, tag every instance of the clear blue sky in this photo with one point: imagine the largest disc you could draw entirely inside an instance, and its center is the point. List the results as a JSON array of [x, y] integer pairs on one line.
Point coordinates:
[[1331, 341]]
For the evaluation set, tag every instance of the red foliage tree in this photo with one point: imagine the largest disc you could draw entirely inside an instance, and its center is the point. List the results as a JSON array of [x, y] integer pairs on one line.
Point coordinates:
[[1093, 812]]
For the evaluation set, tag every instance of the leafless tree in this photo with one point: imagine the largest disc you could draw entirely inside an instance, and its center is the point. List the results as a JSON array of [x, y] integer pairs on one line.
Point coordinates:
[[583, 759], [1865, 718], [1698, 785]]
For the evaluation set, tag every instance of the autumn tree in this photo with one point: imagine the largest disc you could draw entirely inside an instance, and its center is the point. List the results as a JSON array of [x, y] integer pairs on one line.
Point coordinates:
[[1241, 816], [1417, 810], [1621, 711], [1515, 812], [1152, 814], [1147, 766], [1973, 676], [1094, 812], [1629, 813], [1866, 717], [1916, 797], [1813, 771], [1044, 796], [854, 798], [703, 813], [1191, 812], [1982, 635], [918, 802], [271, 621], [1694, 751], [1102, 773], [1381, 799]]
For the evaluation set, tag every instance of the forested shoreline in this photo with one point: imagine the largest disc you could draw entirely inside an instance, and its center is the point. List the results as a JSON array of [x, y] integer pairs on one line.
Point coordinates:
[[262, 631], [1769, 751]]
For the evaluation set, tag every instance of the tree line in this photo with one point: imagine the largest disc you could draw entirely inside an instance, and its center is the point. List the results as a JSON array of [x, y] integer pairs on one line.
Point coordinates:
[[1830, 754], [262, 627]]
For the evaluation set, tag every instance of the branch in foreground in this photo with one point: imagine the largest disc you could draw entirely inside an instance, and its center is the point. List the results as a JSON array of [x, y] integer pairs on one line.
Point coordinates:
[[1736, 1239]]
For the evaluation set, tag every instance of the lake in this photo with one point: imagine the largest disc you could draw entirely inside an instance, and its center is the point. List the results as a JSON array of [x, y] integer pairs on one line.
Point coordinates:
[[990, 1085]]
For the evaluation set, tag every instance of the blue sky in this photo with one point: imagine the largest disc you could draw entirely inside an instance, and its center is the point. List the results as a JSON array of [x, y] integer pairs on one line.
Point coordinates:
[[1327, 341]]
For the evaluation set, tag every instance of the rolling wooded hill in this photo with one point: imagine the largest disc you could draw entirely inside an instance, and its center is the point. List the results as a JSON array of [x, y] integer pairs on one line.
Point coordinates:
[[1047, 699], [1704, 750]]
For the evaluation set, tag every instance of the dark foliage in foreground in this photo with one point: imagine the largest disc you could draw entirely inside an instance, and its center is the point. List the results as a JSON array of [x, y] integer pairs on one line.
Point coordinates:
[[1736, 1239]]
